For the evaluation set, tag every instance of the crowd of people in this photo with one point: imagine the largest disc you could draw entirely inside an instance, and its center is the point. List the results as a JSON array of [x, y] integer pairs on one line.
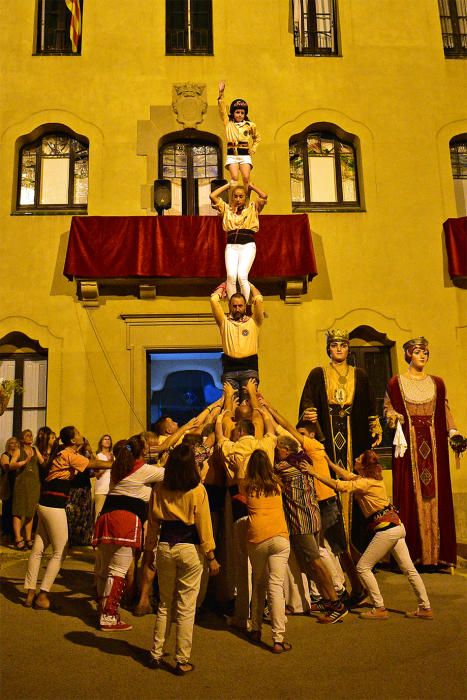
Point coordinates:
[[238, 490]]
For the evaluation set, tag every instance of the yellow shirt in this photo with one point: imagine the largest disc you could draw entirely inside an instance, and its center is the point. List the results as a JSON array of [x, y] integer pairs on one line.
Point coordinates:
[[231, 221], [370, 493], [316, 452], [239, 131], [238, 453], [191, 507], [239, 338], [266, 518]]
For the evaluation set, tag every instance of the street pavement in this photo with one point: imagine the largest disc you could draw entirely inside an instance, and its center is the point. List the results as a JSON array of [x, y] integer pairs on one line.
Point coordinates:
[[61, 655]]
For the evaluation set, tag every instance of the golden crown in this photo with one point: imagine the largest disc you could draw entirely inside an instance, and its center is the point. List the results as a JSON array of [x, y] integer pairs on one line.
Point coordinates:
[[335, 334], [416, 341]]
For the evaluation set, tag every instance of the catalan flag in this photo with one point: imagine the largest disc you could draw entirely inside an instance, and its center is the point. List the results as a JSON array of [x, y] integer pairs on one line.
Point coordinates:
[[75, 26]]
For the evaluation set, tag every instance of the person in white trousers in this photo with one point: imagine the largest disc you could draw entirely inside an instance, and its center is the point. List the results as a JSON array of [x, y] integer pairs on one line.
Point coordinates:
[[388, 533], [240, 220], [52, 525]]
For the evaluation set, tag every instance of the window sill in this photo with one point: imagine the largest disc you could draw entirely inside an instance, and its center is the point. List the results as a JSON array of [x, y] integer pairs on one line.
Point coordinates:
[[301, 209], [189, 53], [56, 53], [312, 54], [51, 212]]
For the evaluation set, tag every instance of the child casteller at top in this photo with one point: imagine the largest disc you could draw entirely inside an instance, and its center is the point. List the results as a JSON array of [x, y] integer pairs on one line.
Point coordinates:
[[242, 137]]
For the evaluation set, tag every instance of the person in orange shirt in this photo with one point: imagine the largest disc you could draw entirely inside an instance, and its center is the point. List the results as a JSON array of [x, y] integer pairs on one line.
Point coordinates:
[[268, 548], [388, 532]]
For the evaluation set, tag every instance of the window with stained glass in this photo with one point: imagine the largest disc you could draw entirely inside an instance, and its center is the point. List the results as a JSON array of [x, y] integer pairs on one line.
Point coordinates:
[[315, 27], [458, 150], [323, 172], [53, 173], [188, 27], [453, 17], [191, 167]]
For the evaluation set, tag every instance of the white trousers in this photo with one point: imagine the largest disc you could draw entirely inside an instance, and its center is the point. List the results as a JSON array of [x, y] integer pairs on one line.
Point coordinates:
[[391, 540], [111, 560], [269, 563], [52, 528], [179, 571], [238, 261]]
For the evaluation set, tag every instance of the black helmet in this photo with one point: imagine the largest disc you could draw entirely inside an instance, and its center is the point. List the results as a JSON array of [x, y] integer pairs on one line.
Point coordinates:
[[239, 104]]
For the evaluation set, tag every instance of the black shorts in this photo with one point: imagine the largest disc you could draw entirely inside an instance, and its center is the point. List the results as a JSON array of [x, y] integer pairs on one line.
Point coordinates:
[[332, 524]]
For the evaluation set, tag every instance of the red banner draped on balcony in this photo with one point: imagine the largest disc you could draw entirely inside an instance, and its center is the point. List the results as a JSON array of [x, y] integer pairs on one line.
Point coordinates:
[[102, 247], [455, 234]]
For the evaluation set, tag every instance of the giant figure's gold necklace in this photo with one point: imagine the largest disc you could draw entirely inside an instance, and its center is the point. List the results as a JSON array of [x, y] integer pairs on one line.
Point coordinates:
[[340, 394]]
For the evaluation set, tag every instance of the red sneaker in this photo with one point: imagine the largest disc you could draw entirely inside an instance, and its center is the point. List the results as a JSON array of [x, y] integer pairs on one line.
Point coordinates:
[[113, 624]]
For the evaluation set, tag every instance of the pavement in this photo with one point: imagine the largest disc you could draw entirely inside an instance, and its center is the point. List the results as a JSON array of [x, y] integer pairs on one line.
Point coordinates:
[[62, 655]]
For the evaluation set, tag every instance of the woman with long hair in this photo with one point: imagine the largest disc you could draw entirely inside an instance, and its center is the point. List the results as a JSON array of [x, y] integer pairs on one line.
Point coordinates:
[[25, 463], [240, 220], [52, 528], [119, 527], [44, 442], [268, 548], [102, 482], [181, 519], [387, 529]]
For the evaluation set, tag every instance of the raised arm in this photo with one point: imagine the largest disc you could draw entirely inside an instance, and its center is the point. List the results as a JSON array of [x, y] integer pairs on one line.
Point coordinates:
[[220, 437], [268, 421], [216, 308], [229, 408], [258, 308], [262, 197], [285, 424], [224, 115], [215, 195]]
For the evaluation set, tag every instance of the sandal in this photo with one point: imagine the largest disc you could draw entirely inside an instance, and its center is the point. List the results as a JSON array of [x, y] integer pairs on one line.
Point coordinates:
[[29, 544], [18, 543], [183, 669], [280, 647]]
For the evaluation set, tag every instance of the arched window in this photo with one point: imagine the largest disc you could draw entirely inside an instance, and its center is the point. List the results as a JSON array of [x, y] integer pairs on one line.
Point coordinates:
[[323, 171], [191, 163], [371, 351], [23, 359], [453, 16], [53, 173], [458, 149]]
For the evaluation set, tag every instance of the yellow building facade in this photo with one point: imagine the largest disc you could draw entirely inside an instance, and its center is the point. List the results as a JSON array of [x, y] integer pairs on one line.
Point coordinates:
[[382, 265]]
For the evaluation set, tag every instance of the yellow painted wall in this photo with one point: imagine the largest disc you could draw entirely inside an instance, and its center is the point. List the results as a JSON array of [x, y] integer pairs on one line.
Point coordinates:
[[385, 266]]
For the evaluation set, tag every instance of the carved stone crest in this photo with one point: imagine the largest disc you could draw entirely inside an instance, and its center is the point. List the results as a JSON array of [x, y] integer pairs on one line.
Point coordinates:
[[189, 103]]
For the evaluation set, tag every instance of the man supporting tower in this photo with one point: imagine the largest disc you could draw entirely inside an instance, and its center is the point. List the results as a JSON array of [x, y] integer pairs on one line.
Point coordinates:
[[239, 334]]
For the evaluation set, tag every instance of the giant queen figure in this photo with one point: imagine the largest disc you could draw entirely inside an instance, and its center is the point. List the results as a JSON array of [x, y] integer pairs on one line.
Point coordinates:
[[421, 477]]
